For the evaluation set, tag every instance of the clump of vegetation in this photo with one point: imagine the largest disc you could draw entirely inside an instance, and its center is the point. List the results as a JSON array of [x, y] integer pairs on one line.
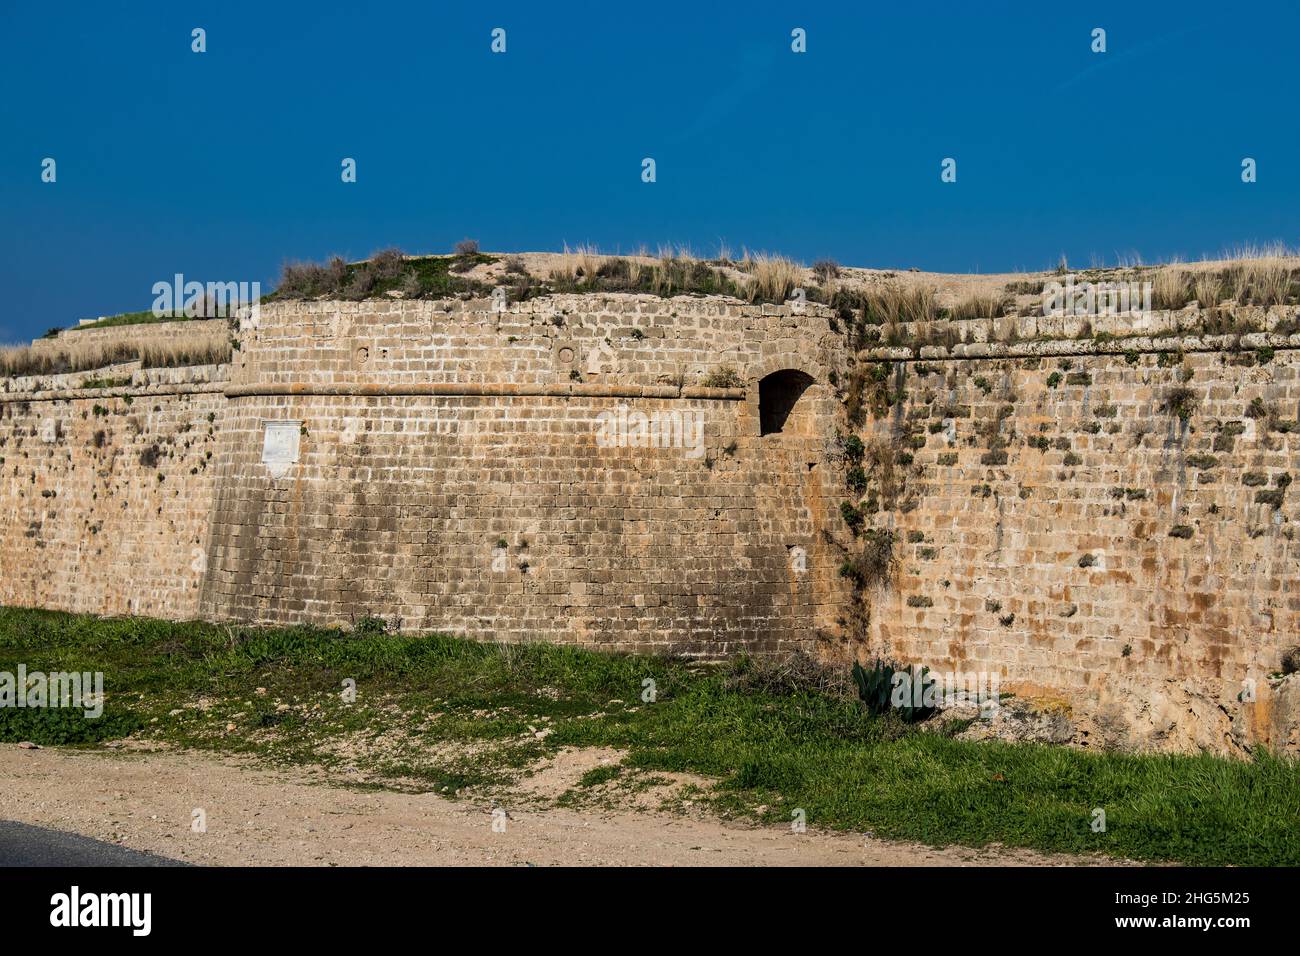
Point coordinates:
[[772, 278], [722, 377], [826, 270], [1181, 401], [869, 389], [894, 304], [586, 271], [388, 270], [877, 684], [1180, 531], [874, 564], [1206, 290], [197, 343], [1170, 289], [369, 624], [852, 516], [980, 305], [1263, 280]]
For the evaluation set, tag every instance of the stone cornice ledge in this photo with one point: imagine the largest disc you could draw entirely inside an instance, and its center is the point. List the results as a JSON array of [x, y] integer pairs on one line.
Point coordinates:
[[494, 389], [1111, 346]]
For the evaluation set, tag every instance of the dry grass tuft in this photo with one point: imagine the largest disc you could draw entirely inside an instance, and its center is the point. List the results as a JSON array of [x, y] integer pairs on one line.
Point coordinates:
[[1207, 289], [197, 342], [892, 303], [980, 305], [1260, 275], [1170, 288], [773, 278]]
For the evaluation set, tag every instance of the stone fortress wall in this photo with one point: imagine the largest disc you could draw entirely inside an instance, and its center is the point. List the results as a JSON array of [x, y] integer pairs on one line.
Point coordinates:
[[451, 473], [1104, 521]]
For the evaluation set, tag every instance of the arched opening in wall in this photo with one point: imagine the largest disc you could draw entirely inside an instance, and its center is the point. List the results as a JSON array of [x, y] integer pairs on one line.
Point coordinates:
[[779, 407]]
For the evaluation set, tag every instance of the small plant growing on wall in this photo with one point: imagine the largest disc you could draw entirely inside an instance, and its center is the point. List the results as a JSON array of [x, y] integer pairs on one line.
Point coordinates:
[[852, 516], [1180, 401], [722, 377]]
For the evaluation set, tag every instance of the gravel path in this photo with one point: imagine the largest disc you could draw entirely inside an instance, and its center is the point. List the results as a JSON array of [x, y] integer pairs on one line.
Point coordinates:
[[146, 801]]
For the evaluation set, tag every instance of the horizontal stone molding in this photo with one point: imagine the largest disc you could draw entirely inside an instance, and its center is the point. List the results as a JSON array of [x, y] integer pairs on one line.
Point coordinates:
[[1069, 347], [495, 390], [125, 391]]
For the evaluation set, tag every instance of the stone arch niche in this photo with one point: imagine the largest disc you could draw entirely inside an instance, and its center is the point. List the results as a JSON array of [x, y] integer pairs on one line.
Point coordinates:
[[782, 406]]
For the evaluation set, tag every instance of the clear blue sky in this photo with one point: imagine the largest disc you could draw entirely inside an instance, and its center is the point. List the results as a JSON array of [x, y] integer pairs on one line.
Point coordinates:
[[222, 165]]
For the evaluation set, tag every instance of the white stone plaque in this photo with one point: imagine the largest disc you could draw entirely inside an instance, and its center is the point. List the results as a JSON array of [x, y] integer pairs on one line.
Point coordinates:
[[280, 446]]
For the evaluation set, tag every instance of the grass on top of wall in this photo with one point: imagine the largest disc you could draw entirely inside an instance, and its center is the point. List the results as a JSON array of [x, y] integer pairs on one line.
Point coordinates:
[[196, 343], [390, 270], [455, 716]]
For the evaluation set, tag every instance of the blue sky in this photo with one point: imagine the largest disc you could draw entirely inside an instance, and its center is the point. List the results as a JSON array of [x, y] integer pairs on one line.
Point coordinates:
[[224, 164]]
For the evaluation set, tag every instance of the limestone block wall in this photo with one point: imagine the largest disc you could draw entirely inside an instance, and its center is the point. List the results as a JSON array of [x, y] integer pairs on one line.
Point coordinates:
[[105, 494], [1108, 522], [481, 472], [1117, 531]]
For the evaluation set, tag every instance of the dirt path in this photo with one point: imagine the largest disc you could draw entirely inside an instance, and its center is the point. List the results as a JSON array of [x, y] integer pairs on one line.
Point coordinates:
[[145, 801]]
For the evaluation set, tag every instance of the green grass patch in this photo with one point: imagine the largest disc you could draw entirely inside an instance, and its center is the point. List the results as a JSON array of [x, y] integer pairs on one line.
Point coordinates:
[[435, 712]]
